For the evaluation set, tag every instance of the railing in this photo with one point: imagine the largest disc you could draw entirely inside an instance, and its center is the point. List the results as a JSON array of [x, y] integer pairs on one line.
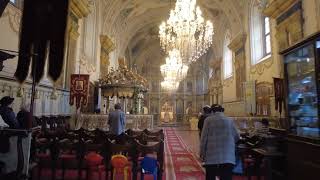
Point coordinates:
[[252, 122], [100, 121]]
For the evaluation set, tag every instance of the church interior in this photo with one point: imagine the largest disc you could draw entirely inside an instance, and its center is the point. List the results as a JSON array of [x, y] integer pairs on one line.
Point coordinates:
[[66, 65]]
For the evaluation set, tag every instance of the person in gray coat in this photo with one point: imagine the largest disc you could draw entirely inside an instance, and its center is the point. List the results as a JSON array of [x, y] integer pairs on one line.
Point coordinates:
[[117, 120], [217, 145]]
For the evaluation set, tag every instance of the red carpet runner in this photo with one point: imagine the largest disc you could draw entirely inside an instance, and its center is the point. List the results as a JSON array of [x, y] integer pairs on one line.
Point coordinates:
[[180, 163]]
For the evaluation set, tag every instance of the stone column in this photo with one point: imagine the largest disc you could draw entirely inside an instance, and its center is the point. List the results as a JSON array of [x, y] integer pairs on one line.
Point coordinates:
[[106, 47], [78, 10]]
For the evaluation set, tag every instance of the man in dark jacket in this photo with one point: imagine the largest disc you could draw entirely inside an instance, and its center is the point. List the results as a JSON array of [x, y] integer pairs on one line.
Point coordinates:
[[7, 113], [206, 112], [23, 117]]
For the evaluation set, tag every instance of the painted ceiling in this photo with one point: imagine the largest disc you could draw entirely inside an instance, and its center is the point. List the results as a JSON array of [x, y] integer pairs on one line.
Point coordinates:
[[133, 24]]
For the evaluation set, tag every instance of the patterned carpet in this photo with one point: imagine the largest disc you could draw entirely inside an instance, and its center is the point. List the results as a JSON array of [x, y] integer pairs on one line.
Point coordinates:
[[180, 163]]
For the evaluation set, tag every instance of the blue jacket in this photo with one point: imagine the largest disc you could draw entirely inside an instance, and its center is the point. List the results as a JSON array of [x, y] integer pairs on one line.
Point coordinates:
[[116, 122]]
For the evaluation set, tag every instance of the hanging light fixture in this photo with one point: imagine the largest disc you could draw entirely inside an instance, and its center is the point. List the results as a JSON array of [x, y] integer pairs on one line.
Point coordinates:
[[170, 85], [187, 31], [174, 69]]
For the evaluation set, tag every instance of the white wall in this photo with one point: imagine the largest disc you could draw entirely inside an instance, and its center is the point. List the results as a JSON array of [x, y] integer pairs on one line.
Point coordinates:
[[45, 105]]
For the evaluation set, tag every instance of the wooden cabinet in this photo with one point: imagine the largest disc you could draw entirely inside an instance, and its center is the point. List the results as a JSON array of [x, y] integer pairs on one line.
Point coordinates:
[[301, 68]]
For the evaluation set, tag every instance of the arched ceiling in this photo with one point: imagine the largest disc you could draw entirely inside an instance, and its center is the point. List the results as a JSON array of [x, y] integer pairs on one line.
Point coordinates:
[[133, 24]]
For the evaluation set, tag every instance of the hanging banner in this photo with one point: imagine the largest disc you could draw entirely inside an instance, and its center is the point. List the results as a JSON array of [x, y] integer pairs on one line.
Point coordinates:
[[278, 93], [79, 88], [250, 97]]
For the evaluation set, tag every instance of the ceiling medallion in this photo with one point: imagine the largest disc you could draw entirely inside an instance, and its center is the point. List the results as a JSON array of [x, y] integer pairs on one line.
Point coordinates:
[[187, 31]]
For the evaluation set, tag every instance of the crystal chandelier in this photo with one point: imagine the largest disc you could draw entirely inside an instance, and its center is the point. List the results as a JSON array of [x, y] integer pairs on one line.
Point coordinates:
[[174, 69], [187, 31], [170, 85]]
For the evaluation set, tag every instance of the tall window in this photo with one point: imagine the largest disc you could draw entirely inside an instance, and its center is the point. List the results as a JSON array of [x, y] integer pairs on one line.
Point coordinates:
[[266, 36], [260, 36], [227, 57], [17, 3]]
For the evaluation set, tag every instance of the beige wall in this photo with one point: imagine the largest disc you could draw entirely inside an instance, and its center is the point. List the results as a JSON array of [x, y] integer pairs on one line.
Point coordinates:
[[229, 89], [311, 16], [272, 66]]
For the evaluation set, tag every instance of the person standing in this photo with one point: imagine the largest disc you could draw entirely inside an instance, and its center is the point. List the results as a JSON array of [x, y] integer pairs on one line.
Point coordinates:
[[7, 113], [116, 120], [23, 117], [217, 145], [206, 110]]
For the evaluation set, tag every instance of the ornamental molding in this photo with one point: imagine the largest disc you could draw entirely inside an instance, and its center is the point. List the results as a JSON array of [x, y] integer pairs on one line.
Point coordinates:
[[276, 7], [80, 8], [106, 43], [227, 82], [260, 67], [14, 15], [90, 68], [238, 42], [73, 29]]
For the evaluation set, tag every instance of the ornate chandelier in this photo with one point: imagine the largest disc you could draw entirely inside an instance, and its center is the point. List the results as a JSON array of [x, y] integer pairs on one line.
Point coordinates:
[[170, 85], [187, 31], [174, 69]]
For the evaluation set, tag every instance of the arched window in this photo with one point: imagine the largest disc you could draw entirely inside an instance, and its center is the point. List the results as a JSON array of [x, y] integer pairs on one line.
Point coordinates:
[[260, 35], [227, 57]]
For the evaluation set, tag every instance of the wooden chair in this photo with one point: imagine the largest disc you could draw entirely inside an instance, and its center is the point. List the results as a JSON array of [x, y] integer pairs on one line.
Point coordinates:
[[123, 138], [251, 166], [158, 149], [71, 156], [127, 149], [94, 156], [46, 156], [131, 132], [155, 133]]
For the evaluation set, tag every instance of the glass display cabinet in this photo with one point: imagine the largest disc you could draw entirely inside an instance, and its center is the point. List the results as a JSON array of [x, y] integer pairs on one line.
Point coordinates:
[[301, 69]]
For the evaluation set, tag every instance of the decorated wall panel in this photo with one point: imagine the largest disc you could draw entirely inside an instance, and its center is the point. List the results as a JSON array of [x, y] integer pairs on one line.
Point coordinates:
[[240, 68], [289, 29]]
